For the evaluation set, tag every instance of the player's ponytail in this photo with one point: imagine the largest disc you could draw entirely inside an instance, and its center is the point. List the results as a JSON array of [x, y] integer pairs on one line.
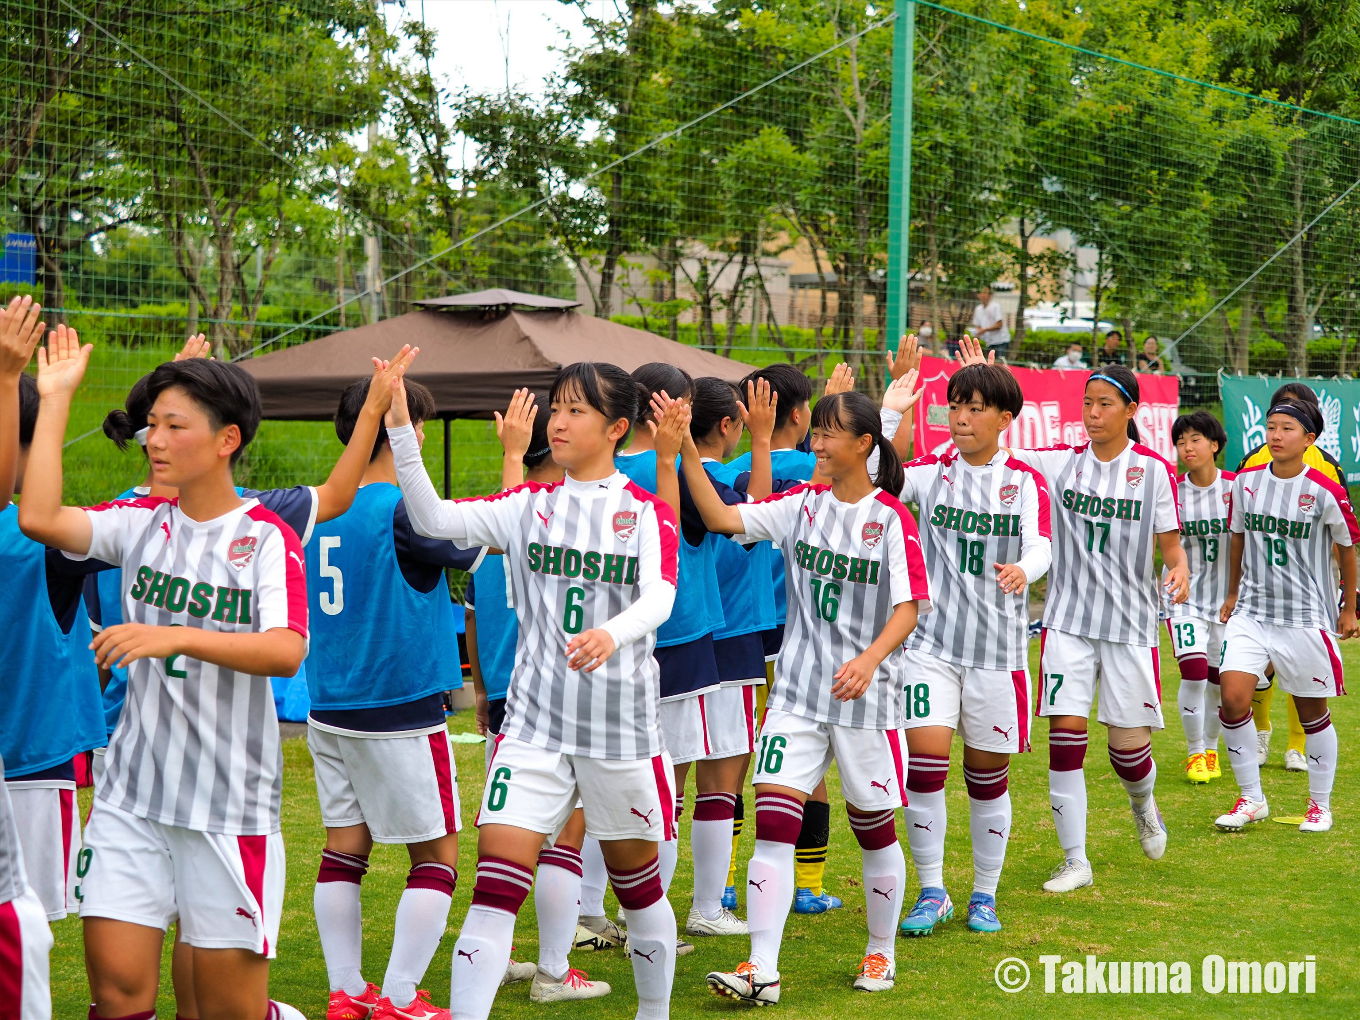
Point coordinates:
[[714, 400], [658, 377], [122, 424], [858, 415]]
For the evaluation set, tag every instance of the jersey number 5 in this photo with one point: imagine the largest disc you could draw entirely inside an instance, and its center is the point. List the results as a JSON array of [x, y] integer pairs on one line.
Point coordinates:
[[331, 604]]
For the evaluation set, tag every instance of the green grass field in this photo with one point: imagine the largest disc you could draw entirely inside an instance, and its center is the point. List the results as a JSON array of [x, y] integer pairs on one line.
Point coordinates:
[[1269, 894]]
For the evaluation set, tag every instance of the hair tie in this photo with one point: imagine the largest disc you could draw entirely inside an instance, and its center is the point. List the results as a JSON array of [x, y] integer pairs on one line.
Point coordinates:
[[1115, 383], [1296, 412], [540, 453], [140, 435]]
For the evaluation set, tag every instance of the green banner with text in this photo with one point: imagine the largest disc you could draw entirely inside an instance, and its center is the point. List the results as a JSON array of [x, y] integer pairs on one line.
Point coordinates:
[[1246, 399]]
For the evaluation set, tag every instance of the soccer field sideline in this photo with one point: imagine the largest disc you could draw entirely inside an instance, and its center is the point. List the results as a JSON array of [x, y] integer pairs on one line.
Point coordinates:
[[1210, 894]]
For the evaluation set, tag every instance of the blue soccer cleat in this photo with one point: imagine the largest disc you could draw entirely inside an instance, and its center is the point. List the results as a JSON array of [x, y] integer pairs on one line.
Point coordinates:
[[933, 907], [832, 902], [982, 913], [804, 902], [729, 898]]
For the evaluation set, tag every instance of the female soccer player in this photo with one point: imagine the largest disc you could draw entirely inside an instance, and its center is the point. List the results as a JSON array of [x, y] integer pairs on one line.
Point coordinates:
[[1281, 608], [857, 583], [592, 564], [186, 818], [987, 537], [1115, 500], [1205, 501]]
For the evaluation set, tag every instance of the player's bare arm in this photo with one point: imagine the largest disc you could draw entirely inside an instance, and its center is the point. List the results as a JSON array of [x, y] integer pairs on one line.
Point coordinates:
[[483, 705], [335, 495], [515, 430], [61, 367], [275, 652], [1236, 547], [1177, 583], [20, 331], [668, 430], [1346, 625], [717, 515], [853, 679], [758, 413]]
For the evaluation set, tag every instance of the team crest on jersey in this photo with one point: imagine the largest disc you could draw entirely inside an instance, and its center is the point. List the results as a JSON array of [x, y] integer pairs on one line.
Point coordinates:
[[625, 523], [1134, 476], [1008, 494], [1227, 498], [872, 533], [1307, 502], [241, 551]]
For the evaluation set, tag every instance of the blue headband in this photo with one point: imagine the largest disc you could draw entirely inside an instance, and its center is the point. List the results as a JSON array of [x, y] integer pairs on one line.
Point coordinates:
[[1113, 382]]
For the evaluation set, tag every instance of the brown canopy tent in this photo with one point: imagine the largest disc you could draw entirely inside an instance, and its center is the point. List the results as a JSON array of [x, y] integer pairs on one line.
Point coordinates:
[[472, 360]]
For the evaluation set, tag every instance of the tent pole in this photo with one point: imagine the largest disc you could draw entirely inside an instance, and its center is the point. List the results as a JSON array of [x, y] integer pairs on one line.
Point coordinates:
[[448, 460]]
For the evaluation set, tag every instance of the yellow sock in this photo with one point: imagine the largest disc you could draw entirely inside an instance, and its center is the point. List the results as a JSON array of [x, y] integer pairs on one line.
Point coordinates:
[[1260, 707], [1296, 734], [736, 838]]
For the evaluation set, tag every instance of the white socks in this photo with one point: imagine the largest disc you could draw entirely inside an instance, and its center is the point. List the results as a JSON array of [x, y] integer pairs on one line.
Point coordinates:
[[668, 854], [769, 895], [339, 919], [1239, 743], [1320, 745], [479, 961], [711, 844], [594, 878], [990, 827], [1067, 798], [422, 915], [1213, 726], [651, 945], [1190, 701], [885, 875], [557, 901], [926, 817]]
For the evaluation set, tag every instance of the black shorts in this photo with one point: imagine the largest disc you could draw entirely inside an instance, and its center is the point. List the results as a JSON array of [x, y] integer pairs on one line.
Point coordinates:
[[495, 715]]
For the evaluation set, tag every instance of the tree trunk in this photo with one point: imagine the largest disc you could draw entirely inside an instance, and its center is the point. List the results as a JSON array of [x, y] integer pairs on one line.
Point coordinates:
[[1023, 263], [933, 291]]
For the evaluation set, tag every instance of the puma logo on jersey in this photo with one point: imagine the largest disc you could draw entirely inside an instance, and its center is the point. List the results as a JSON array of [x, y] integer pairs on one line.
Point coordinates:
[[881, 786], [886, 895], [1001, 834], [810, 514], [760, 886], [918, 825], [165, 526], [646, 956], [671, 525], [1006, 732], [294, 556], [646, 818], [1249, 492], [545, 520], [248, 915], [464, 952]]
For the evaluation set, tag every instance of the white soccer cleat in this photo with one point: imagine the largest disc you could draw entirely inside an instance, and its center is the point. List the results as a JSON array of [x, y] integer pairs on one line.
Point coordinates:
[[1294, 761], [574, 984], [1317, 818], [1243, 813], [745, 984], [1151, 829], [1070, 875], [611, 936], [283, 1011], [876, 974], [726, 923], [517, 972], [1262, 746]]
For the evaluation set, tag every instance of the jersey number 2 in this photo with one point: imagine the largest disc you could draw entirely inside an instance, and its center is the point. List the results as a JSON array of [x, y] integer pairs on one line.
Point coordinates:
[[331, 604]]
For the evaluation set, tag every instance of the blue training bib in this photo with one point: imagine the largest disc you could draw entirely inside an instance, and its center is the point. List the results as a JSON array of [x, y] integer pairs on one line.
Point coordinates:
[[497, 626]]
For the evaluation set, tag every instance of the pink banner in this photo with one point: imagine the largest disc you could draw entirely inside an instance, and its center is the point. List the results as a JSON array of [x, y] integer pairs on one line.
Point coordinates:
[[1052, 413]]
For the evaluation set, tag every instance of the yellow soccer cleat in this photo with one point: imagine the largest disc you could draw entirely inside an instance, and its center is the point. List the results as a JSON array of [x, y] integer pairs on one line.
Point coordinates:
[[1211, 765], [1196, 771]]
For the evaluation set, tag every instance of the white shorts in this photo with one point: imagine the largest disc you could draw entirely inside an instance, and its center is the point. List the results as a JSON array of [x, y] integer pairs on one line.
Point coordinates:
[[226, 891], [988, 707], [796, 752], [1129, 676], [405, 789], [1307, 662], [720, 723], [1192, 635], [25, 943], [536, 789], [48, 819]]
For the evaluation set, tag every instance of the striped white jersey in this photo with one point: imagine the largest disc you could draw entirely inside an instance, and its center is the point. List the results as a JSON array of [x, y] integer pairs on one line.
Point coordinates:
[[847, 566], [973, 518], [1288, 527], [577, 554], [197, 745], [1106, 519], [13, 881], [1204, 516]]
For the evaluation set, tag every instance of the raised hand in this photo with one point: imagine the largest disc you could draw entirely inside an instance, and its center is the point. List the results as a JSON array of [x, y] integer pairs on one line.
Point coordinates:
[[515, 428], [380, 387], [669, 431], [62, 364], [760, 408], [902, 393], [196, 346], [971, 353], [842, 380], [20, 332], [908, 357], [398, 414]]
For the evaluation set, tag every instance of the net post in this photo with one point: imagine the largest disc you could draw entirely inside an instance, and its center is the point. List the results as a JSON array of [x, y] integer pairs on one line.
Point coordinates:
[[899, 185]]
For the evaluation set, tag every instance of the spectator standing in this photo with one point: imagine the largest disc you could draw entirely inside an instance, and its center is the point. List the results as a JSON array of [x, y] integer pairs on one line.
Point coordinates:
[[1074, 358], [989, 323]]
